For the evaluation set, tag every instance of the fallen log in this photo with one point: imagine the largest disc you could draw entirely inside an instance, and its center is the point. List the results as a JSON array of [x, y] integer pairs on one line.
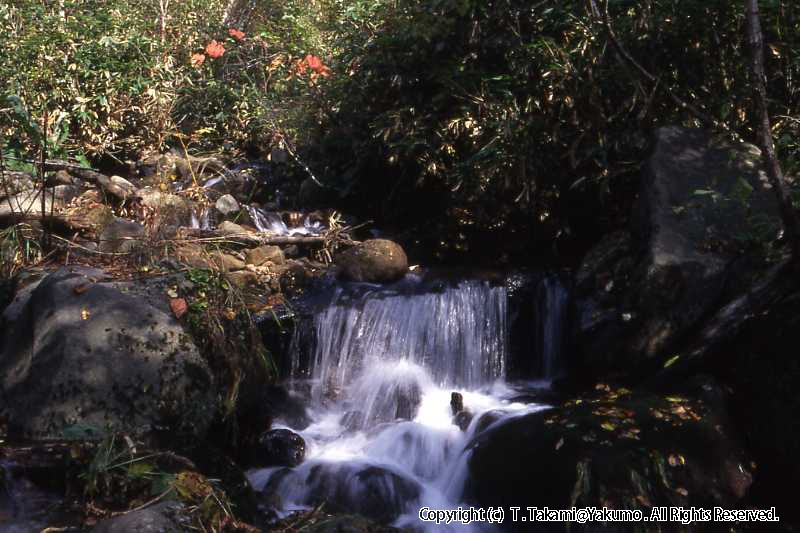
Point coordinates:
[[256, 239]]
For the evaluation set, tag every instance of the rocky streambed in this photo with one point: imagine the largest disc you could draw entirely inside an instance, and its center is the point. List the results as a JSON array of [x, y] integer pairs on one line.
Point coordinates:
[[196, 351]]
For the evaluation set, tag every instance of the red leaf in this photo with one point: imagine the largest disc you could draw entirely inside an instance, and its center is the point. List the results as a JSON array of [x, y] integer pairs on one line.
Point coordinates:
[[178, 306], [215, 50], [236, 34]]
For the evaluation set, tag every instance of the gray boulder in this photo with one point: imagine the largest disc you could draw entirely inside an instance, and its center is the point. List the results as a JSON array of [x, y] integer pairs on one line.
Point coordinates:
[[80, 350], [164, 517], [227, 205]]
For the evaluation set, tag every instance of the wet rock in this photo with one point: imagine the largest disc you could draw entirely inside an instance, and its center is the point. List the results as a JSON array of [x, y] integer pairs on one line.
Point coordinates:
[[281, 447], [456, 402], [261, 254], [463, 420], [372, 491], [120, 235], [375, 260], [165, 517], [279, 404], [227, 205], [82, 350], [617, 449], [352, 420]]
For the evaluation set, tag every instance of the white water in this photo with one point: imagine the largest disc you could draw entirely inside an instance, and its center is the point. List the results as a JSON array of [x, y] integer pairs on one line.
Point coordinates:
[[383, 440], [269, 222]]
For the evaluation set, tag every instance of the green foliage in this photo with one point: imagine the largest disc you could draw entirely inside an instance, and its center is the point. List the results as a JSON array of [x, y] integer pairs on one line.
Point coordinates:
[[511, 115]]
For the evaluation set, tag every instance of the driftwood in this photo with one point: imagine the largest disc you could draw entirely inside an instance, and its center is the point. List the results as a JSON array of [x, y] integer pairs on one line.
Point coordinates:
[[75, 220], [256, 239]]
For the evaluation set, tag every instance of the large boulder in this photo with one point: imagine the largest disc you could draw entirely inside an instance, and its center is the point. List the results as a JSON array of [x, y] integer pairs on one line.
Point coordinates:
[[613, 449], [79, 350], [372, 491], [703, 203], [374, 260]]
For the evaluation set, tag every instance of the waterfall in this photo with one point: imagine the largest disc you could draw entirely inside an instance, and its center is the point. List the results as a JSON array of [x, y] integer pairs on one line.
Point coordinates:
[[382, 363]]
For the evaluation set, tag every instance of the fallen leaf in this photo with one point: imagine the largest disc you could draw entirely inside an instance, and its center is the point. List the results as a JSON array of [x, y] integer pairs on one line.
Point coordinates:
[[178, 306], [80, 289], [560, 443], [172, 293], [608, 426], [676, 460], [683, 492], [229, 314]]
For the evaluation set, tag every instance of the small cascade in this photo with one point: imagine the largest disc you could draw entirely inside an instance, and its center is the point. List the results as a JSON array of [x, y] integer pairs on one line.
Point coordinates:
[[272, 223], [552, 302], [384, 362], [458, 334]]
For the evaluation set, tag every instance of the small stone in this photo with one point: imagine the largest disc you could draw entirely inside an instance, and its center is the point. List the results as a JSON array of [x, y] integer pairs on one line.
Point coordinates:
[[260, 255], [242, 278], [229, 228], [227, 205], [125, 185]]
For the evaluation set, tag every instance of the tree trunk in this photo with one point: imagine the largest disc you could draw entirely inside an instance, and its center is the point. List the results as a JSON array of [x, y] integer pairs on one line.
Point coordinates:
[[791, 221]]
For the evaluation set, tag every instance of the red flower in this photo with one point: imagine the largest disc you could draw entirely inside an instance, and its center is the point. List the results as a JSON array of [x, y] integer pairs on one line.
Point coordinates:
[[236, 34], [215, 50], [197, 60]]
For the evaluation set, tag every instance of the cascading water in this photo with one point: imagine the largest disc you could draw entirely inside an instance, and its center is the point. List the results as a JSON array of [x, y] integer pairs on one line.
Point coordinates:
[[552, 300], [383, 371]]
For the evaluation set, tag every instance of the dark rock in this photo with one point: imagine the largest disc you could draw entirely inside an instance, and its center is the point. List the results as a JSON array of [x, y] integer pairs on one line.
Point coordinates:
[[165, 517], [615, 449], [456, 402], [280, 404], [372, 491], [703, 203], [463, 419], [375, 261], [281, 447], [83, 350]]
